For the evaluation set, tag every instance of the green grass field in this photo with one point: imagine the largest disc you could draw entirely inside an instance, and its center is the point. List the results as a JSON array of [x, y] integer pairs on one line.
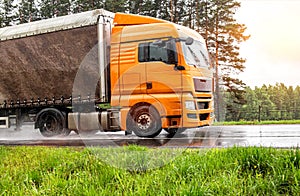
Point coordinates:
[[83, 171]]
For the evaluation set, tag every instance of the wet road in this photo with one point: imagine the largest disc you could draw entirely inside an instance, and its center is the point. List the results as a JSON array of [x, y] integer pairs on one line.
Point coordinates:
[[281, 136]]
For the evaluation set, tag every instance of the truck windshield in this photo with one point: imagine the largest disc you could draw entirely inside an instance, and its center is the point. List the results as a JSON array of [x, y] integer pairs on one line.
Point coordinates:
[[195, 54]]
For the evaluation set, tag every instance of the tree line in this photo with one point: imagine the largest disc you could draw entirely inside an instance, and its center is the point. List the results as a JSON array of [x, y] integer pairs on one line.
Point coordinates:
[[272, 102], [213, 19]]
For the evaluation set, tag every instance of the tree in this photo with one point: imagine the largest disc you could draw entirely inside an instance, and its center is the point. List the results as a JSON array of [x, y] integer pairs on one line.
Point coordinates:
[[146, 7], [272, 102], [264, 102], [47, 9], [249, 109], [85, 5], [223, 36], [173, 10], [8, 16], [115, 6], [54, 8], [63, 7], [1, 16], [28, 11], [297, 102]]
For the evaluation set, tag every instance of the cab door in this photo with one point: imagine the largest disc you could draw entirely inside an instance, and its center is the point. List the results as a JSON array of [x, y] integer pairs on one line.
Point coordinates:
[[163, 80]]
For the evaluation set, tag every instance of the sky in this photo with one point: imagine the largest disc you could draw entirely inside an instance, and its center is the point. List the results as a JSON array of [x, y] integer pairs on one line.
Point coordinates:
[[273, 50]]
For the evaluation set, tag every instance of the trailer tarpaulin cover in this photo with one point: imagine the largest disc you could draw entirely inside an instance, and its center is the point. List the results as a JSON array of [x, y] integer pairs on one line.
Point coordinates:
[[46, 62]]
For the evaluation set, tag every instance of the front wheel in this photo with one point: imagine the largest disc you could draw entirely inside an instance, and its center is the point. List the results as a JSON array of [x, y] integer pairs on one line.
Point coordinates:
[[144, 121]]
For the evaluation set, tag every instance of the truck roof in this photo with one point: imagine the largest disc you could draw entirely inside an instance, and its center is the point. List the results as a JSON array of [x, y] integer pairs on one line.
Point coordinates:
[[133, 19], [54, 24]]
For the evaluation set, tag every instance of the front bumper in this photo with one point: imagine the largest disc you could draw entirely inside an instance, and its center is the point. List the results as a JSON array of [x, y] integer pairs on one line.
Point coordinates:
[[203, 115]]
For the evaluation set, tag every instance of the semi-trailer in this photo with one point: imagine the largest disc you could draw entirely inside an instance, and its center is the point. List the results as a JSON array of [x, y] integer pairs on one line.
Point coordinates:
[[104, 71]]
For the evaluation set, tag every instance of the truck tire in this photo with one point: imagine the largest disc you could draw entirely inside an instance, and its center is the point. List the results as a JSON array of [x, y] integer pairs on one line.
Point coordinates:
[[51, 122], [144, 121]]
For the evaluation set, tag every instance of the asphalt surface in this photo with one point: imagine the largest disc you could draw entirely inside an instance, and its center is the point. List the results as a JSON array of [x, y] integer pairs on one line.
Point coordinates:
[[281, 136]]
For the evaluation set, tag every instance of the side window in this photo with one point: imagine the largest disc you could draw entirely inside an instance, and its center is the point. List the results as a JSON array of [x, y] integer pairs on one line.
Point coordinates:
[[153, 52], [143, 52], [157, 53]]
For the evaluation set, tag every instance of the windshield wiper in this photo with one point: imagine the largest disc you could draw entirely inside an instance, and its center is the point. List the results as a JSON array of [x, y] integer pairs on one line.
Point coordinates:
[[204, 57], [194, 55]]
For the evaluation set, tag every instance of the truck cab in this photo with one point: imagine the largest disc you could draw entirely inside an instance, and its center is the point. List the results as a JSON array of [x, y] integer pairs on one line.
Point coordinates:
[[160, 76]]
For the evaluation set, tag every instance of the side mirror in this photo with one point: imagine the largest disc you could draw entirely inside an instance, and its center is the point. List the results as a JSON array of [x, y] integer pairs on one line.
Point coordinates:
[[189, 41]]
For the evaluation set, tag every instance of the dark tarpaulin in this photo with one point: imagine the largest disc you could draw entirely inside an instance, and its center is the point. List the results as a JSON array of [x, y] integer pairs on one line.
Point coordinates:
[[46, 65]]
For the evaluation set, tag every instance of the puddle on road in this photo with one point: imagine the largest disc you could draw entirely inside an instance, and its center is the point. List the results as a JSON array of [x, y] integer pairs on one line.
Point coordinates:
[[214, 136]]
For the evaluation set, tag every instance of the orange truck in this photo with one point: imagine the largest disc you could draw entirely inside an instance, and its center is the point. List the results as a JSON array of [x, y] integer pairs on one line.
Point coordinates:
[[103, 71]]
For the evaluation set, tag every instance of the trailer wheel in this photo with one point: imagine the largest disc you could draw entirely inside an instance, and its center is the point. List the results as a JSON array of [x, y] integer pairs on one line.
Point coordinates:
[[51, 122], [144, 121]]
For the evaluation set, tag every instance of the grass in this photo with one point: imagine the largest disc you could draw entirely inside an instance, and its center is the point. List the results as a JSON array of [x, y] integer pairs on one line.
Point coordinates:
[[266, 122], [83, 171]]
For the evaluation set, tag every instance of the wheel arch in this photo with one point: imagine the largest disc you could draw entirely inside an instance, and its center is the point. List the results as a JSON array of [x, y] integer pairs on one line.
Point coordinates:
[[157, 105]]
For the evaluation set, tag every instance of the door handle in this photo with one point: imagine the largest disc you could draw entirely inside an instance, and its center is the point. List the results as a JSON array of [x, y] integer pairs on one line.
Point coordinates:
[[149, 85]]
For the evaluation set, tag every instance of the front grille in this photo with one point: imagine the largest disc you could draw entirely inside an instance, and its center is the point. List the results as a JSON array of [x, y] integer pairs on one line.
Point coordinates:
[[202, 85], [204, 116], [202, 105]]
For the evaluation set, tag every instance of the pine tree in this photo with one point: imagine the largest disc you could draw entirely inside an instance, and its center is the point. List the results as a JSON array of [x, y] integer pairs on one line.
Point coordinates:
[[297, 102], [115, 6], [277, 102], [249, 110], [149, 8], [1, 15], [63, 8], [171, 10], [215, 20], [47, 9], [8, 16], [86, 5], [54, 8], [27, 11], [188, 13], [264, 102]]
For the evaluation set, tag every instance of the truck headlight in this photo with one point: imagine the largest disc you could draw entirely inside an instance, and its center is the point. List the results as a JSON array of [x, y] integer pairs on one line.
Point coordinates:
[[190, 105]]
